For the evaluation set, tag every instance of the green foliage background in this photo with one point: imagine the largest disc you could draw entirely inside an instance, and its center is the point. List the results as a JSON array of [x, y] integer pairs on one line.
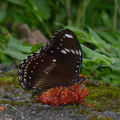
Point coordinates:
[[95, 23]]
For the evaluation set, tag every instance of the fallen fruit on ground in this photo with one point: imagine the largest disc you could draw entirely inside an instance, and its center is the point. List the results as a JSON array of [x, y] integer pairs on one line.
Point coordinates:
[[64, 95]]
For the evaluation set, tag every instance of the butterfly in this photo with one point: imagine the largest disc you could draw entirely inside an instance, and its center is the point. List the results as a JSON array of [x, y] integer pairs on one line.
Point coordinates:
[[58, 63]]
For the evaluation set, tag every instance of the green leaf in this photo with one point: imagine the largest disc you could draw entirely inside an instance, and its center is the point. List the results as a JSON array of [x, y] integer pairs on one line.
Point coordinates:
[[96, 37], [5, 31], [97, 57], [97, 40], [15, 54], [2, 14], [14, 44], [36, 47], [106, 19], [3, 58], [116, 65], [42, 5], [15, 49], [108, 37], [17, 2]]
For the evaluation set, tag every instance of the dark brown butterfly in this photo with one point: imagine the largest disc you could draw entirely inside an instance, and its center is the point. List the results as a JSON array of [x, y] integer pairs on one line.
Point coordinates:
[[57, 63]]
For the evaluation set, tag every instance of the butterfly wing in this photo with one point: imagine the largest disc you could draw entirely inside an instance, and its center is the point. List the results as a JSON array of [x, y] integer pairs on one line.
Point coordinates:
[[65, 47], [58, 63]]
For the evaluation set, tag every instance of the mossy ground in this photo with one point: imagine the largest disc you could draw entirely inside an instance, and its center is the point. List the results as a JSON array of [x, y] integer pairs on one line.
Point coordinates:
[[103, 97]]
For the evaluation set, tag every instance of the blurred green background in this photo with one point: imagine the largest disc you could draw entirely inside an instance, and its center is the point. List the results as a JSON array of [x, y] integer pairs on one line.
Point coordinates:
[[95, 23]]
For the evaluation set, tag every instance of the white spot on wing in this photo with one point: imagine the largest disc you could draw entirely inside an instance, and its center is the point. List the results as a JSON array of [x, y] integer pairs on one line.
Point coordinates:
[[51, 51], [24, 80], [76, 71], [34, 67], [67, 50], [63, 51], [69, 35], [76, 52], [79, 52], [25, 75], [25, 72], [72, 51], [77, 66], [26, 67], [54, 60], [48, 69], [46, 72]]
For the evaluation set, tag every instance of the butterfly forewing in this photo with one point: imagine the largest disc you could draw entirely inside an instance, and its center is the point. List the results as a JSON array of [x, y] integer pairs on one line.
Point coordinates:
[[57, 64], [66, 49]]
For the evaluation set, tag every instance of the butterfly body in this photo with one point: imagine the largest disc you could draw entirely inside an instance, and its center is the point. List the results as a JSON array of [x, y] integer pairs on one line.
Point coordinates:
[[58, 63]]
